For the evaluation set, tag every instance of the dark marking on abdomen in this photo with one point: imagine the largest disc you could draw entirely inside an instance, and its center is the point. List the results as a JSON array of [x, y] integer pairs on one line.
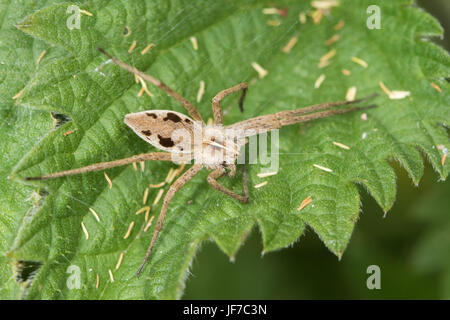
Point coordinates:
[[166, 142], [172, 116], [147, 132]]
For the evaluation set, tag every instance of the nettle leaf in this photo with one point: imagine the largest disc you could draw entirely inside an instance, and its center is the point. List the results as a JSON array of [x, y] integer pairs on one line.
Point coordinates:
[[20, 129], [95, 95]]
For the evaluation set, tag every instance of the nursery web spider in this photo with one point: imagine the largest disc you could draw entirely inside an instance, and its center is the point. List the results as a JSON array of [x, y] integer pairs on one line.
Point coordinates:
[[217, 151]]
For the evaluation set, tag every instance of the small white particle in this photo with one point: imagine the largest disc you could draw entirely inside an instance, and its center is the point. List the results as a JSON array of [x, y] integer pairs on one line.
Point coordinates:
[[322, 168], [302, 17], [86, 13], [111, 277], [144, 199], [341, 145], [133, 45], [396, 95], [147, 48], [364, 135], [261, 71], [86, 234], [271, 11], [158, 197], [149, 224], [201, 91], [108, 180], [194, 43], [119, 262], [262, 184], [143, 209], [266, 174], [130, 228], [351, 94], [319, 81], [287, 48], [361, 62], [325, 4], [95, 214]]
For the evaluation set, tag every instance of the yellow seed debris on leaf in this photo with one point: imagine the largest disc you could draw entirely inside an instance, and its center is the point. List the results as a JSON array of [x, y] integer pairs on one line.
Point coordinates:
[[287, 48], [261, 71], [332, 40], [201, 91], [194, 43], [266, 174], [319, 81], [434, 85], [351, 94], [397, 95], [341, 145], [304, 203], [317, 16], [158, 197], [68, 132], [86, 13], [119, 262], [339, 25], [111, 277], [130, 228], [148, 225], [94, 214], [143, 209], [359, 61], [274, 23], [41, 56], [271, 11], [133, 45], [108, 180], [322, 168], [144, 199], [325, 4], [17, 95], [86, 233], [147, 48], [302, 17], [159, 185], [262, 184]]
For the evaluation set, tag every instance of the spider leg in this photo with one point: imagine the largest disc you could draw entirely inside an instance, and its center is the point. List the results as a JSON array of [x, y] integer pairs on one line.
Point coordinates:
[[322, 106], [161, 156], [277, 120], [217, 109], [219, 172], [193, 112], [324, 114], [180, 182]]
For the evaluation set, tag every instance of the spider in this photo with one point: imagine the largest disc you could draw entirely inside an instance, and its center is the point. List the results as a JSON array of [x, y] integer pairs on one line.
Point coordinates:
[[213, 147]]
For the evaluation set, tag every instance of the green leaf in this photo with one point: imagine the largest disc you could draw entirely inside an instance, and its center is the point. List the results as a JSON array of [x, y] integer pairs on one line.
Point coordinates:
[[20, 129], [73, 79]]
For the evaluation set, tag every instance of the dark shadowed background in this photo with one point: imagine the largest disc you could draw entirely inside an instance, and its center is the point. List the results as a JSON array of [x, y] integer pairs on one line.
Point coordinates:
[[410, 245]]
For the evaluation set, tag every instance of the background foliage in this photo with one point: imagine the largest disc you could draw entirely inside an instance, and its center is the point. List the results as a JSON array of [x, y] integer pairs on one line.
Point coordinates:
[[42, 226]]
